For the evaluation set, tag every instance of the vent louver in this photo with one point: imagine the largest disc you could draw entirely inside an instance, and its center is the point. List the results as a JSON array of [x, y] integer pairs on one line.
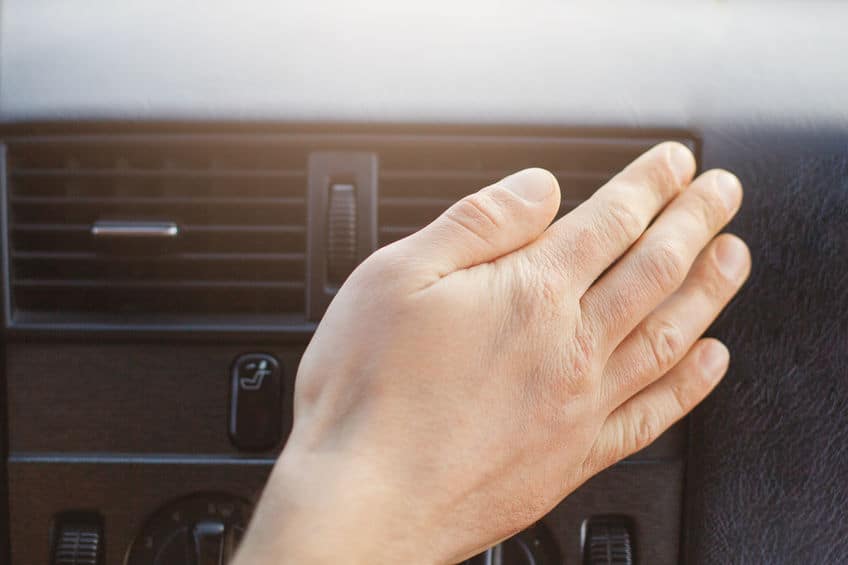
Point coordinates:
[[238, 203], [239, 206], [419, 181]]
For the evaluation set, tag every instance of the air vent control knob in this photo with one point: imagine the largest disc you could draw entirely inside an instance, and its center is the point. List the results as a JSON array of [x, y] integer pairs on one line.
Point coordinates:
[[78, 541], [341, 233], [198, 530], [608, 542]]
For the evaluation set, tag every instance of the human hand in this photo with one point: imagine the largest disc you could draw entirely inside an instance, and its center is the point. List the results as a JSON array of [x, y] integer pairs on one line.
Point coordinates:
[[469, 377]]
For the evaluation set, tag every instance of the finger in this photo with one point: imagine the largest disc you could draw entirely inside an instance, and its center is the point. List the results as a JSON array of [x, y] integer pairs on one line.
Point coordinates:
[[661, 340], [660, 260], [643, 418], [595, 234], [488, 224]]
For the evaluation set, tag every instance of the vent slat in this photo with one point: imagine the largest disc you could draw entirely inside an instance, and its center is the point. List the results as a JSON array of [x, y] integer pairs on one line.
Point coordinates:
[[85, 228], [240, 209], [142, 285], [84, 256], [239, 204], [418, 183], [164, 173], [412, 174], [416, 201], [157, 201], [72, 265]]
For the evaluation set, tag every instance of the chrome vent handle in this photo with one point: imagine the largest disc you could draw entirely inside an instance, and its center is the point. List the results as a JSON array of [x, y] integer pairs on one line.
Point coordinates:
[[134, 229]]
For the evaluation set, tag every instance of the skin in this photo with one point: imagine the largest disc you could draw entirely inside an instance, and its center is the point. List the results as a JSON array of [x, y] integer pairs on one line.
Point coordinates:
[[469, 377]]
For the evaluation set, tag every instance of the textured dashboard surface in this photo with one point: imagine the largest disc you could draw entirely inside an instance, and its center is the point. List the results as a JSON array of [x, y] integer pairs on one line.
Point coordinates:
[[769, 472]]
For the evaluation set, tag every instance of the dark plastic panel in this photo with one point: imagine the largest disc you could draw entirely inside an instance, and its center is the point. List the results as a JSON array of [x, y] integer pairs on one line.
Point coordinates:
[[82, 432], [768, 447], [4, 435], [126, 491], [129, 398]]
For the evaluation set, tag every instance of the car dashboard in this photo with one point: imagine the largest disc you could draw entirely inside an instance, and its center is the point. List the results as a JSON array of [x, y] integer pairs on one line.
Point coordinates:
[[182, 191]]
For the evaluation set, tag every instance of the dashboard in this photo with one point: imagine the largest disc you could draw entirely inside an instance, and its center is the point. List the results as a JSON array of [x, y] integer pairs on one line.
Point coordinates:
[[182, 191]]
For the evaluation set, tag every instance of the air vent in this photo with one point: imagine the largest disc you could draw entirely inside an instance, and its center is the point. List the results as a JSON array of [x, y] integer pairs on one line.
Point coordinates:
[[420, 180], [238, 208], [209, 231]]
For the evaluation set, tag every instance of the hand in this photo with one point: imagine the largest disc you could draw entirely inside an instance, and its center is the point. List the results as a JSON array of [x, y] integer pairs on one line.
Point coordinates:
[[469, 377]]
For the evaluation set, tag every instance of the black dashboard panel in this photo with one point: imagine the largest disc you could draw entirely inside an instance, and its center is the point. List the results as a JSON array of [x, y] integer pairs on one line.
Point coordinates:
[[120, 406], [769, 466], [154, 399]]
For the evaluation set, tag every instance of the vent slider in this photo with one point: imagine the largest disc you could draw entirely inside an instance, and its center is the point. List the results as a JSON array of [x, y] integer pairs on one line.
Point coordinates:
[[341, 233], [110, 229], [342, 221]]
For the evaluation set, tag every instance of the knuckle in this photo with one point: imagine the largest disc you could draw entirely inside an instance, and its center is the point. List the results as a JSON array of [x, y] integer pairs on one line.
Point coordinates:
[[599, 459], [586, 346], [536, 300], [531, 281], [477, 213], [568, 379], [564, 390], [665, 343], [707, 208], [547, 274], [553, 287], [624, 220], [582, 361], [710, 283], [646, 428], [681, 395], [665, 264], [578, 246], [662, 174]]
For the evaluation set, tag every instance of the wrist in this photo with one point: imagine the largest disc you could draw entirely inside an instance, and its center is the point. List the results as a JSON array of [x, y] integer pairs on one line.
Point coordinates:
[[319, 509]]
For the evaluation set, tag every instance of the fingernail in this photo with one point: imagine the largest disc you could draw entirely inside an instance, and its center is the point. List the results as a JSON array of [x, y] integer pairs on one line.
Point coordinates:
[[534, 185], [728, 188], [713, 359], [732, 256], [682, 161]]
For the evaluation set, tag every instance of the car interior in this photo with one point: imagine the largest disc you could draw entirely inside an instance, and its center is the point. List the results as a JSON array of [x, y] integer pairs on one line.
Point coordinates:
[[185, 186]]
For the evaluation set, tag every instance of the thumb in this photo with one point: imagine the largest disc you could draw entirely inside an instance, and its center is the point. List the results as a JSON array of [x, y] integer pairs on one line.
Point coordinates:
[[488, 224]]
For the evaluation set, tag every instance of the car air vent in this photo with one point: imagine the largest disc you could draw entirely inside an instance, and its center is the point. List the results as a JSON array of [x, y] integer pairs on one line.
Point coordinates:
[[420, 180], [204, 231], [231, 215]]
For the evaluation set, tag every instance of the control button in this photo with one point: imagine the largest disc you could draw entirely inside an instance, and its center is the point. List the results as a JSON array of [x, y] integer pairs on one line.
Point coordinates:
[[341, 233], [203, 529], [209, 543], [255, 402], [608, 542], [79, 541]]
